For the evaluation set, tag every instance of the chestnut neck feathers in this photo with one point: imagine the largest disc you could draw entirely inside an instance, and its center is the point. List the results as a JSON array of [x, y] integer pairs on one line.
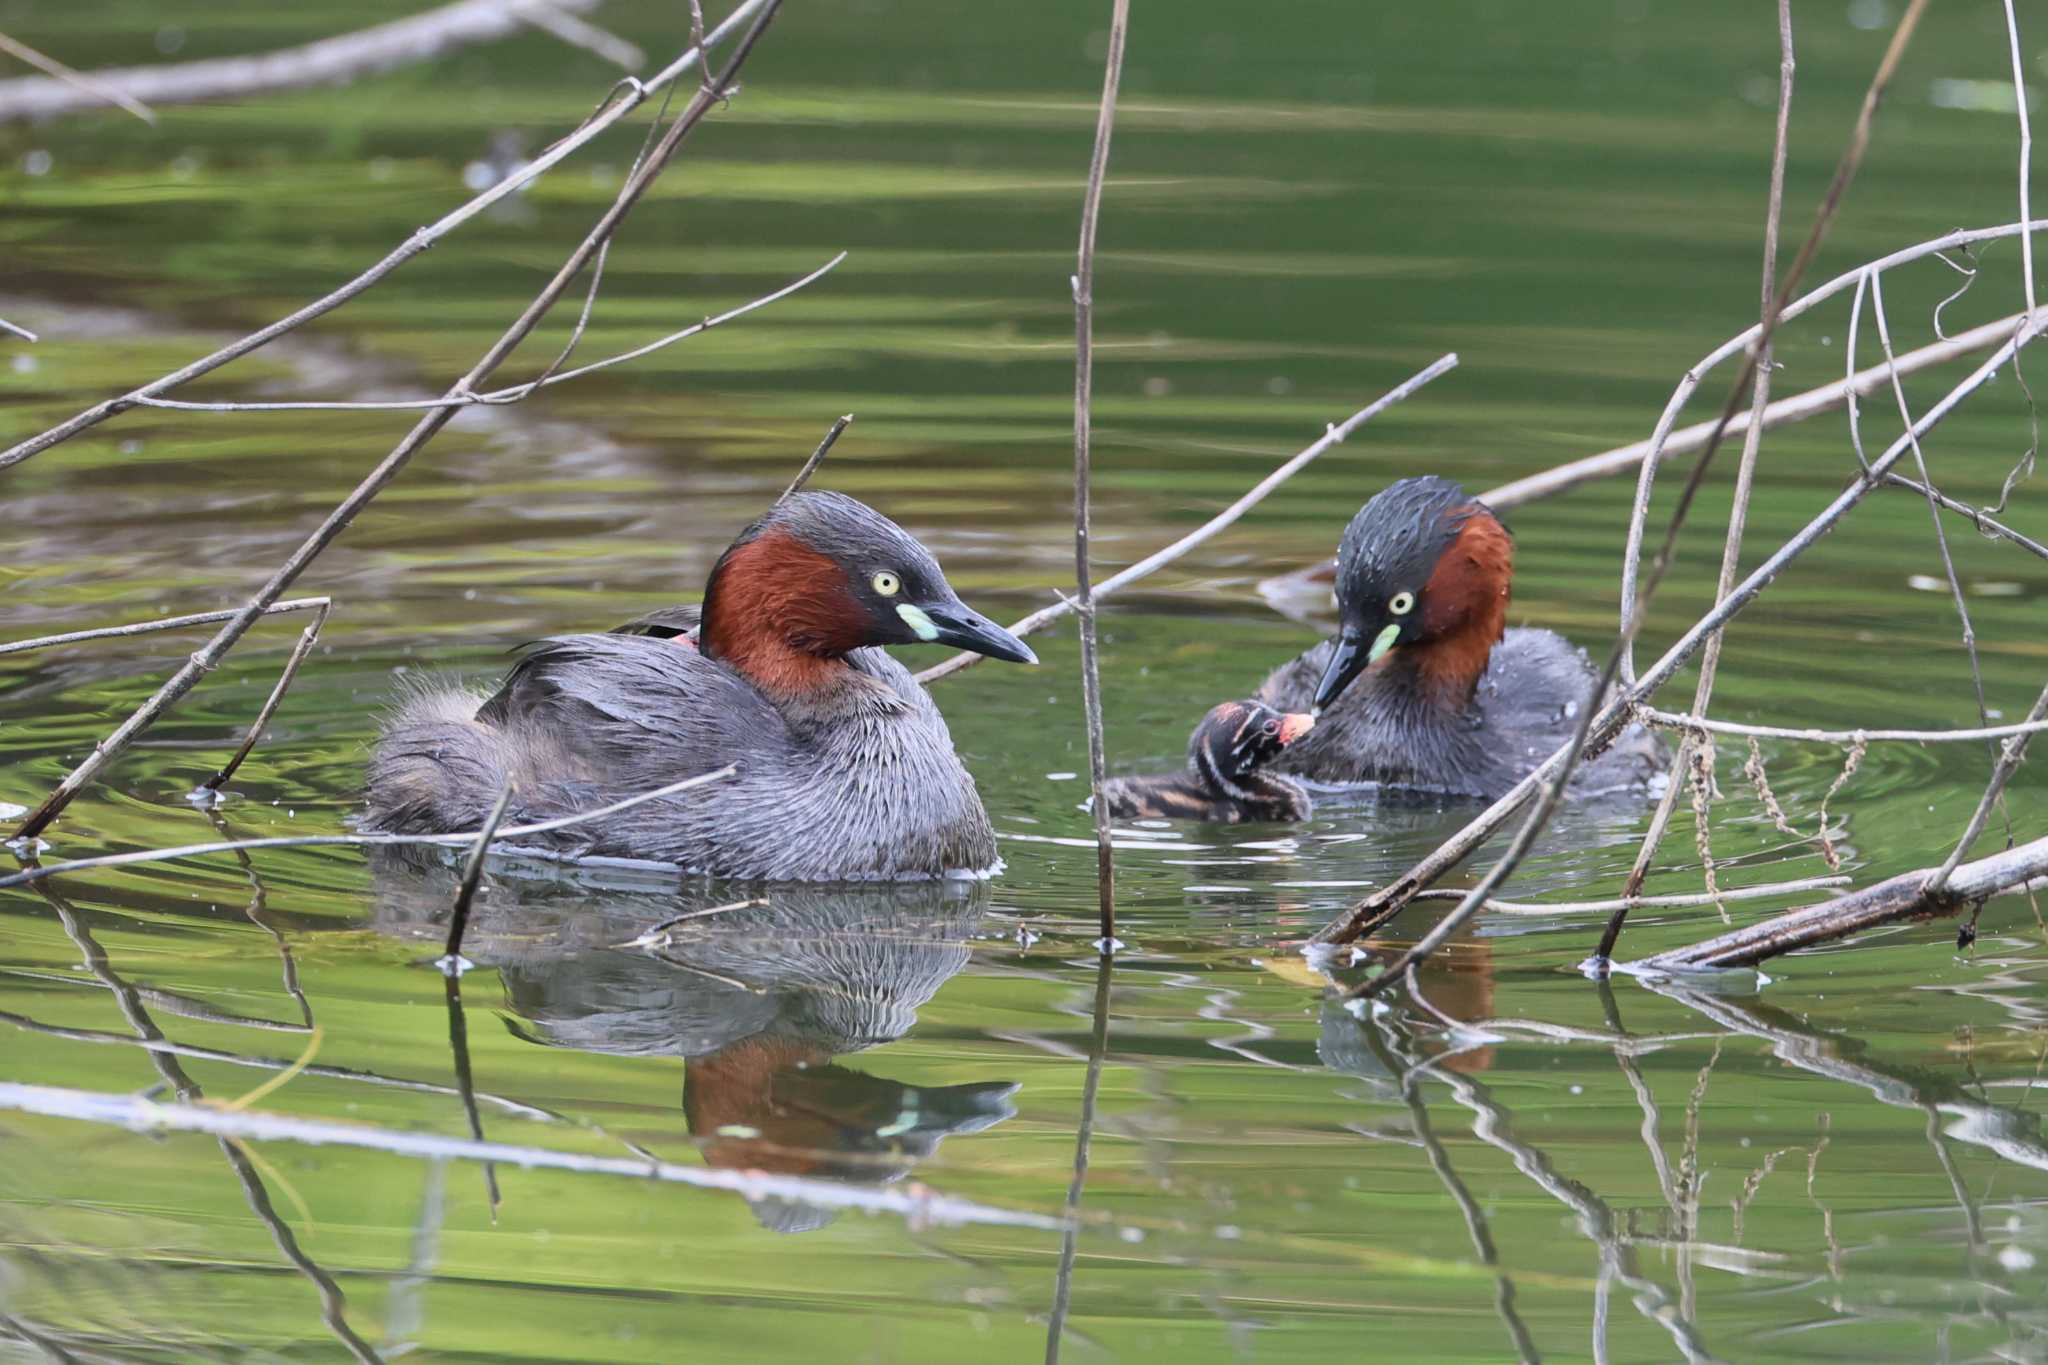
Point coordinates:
[[1465, 606], [1425, 542], [779, 612], [783, 605]]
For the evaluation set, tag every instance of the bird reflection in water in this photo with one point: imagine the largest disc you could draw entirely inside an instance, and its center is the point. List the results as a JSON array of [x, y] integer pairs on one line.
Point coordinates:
[[758, 999]]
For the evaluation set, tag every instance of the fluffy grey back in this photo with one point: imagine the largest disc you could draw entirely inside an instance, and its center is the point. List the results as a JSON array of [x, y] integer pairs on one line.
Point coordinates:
[[860, 784]]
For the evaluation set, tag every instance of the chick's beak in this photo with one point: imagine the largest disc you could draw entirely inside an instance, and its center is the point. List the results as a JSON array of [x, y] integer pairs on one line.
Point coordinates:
[[953, 622], [1295, 726]]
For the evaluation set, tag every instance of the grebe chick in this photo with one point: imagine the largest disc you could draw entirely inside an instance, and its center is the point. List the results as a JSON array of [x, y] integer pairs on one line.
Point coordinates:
[[1223, 782]]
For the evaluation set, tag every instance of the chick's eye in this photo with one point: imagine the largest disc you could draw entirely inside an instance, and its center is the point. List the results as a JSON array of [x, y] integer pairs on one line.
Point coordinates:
[[886, 583], [1401, 603]]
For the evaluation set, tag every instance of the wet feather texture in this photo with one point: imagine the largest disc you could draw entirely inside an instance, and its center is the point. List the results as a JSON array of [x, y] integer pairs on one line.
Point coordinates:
[[1458, 705], [846, 770]]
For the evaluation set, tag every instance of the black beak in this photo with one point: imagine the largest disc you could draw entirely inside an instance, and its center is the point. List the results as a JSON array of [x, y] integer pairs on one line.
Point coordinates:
[[962, 627], [1347, 661]]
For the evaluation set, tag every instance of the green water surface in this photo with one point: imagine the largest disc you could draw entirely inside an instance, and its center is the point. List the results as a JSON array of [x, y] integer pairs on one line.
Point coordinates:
[[1307, 203]]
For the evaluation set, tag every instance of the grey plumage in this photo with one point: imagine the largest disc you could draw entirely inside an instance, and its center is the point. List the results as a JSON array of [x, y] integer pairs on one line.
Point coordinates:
[[1385, 730], [1391, 725], [855, 781]]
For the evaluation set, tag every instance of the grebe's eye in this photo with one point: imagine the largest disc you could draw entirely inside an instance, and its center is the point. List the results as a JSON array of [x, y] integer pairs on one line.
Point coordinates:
[[886, 583], [1401, 603]]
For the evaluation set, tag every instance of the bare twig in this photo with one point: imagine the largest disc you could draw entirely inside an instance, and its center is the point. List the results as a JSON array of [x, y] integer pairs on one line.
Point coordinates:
[[1798, 408], [2019, 90], [1757, 339], [453, 840], [697, 37], [512, 394], [1783, 412], [203, 618], [1978, 517], [1160, 558], [626, 96], [1547, 784], [307, 639], [329, 61], [1727, 893], [2008, 763], [100, 91], [428, 426], [1084, 385], [1909, 896], [543, 15], [452, 961], [1686, 759], [803, 476], [1972, 735], [1849, 363], [1948, 564], [2025, 465]]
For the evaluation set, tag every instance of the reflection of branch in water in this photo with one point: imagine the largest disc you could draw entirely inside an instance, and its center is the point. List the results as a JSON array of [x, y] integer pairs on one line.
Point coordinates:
[[166, 1047], [920, 1203], [258, 913], [1690, 1182], [1475, 1218], [1063, 1282], [405, 1305], [170, 1002], [458, 1046], [333, 1303], [2007, 1132], [1492, 1124], [1653, 1140]]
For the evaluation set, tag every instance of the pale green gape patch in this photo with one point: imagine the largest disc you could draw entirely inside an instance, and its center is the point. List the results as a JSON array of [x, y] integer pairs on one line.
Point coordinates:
[[920, 624]]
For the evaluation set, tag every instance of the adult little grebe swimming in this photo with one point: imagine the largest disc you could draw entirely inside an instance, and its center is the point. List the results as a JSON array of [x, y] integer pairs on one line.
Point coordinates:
[[845, 768], [1222, 782], [1424, 686]]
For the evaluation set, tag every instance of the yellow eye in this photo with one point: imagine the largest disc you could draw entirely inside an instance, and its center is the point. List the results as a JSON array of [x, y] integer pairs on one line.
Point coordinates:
[[886, 583], [1401, 603]]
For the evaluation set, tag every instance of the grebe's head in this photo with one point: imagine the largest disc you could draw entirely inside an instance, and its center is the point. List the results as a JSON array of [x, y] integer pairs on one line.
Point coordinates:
[[821, 575], [1422, 567], [1238, 738]]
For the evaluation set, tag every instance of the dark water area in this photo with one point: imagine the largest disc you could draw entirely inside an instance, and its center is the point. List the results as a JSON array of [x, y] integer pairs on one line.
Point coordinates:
[[1306, 205]]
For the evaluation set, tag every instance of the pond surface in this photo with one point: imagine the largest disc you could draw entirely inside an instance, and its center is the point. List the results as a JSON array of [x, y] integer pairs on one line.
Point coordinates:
[[1844, 1163]]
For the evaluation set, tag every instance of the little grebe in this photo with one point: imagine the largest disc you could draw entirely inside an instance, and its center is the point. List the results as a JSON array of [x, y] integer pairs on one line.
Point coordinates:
[[1424, 686], [1222, 782], [845, 768]]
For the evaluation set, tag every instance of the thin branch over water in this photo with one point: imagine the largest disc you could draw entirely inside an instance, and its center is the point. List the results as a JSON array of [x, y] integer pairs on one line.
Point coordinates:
[[1084, 422]]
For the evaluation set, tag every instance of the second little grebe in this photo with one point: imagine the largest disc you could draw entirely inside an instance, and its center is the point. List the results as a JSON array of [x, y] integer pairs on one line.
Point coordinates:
[[845, 769], [1222, 783], [1425, 686]]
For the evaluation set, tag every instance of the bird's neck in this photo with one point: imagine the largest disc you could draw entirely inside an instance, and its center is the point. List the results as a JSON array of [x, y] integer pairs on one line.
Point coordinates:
[[779, 613]]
